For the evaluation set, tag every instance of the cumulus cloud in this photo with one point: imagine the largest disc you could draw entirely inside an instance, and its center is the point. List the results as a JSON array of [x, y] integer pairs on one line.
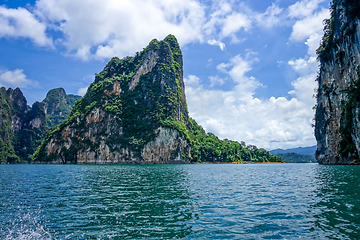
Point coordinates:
[[103, 29], [217, 43], [309, 29], [271, 17], [82, 91], [274, 122], [309, 25], [110, 27], [216, 80], [304, 8], [238, 115], [20, 22], [309, 22], [16, 78]]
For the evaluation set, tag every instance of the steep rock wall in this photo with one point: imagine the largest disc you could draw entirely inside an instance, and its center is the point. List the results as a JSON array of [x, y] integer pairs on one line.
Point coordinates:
[[134, 112], [93, 145], [337, 114]]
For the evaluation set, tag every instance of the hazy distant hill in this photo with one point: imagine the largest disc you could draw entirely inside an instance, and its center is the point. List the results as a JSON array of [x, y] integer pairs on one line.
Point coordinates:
[[296, 155], [299, 150]]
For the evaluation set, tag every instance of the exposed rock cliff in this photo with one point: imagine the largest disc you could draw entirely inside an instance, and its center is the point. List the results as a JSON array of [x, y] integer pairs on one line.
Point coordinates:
[[22, 128], [24, 134], [132, 113], [7, 151], [337, 125], [135, 112]]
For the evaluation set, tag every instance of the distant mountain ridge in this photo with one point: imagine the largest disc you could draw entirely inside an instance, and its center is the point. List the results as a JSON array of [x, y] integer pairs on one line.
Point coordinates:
[[296, 155], [22, 128], [300, 150]]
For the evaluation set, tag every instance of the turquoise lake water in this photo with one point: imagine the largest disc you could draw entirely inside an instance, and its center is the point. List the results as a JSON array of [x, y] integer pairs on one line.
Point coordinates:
[[270, 201]]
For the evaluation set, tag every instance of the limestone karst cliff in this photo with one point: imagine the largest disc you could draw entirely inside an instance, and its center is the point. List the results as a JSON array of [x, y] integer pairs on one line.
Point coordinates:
[[58, 105], [337, 124], [128, 114], [22, 128], [135, 112]]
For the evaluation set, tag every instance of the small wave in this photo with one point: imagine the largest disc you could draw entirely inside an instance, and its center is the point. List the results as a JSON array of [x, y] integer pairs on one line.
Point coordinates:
[[25, 227]]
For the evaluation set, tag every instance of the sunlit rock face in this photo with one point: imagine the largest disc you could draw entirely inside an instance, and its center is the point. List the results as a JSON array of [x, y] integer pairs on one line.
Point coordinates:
[[132, 113], [337, 125]]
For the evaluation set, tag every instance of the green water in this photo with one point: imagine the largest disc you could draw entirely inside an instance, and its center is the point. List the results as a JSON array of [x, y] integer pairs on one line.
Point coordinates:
[[280, 201]]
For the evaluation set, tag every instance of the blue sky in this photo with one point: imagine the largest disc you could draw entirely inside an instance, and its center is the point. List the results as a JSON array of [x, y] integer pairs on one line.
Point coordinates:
[[249, 66]]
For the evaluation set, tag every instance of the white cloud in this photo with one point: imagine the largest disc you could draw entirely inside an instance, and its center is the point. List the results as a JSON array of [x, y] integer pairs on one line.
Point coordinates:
[[192, 80], [313, 43], [238, 115], [82, 91], [270, 18], [231, 24], [111, 27], [304, 66], [309, 25], [16, 78], [225, 21], [304, 8], [216, 80], [217, 43], [21, 23], [103, 29]]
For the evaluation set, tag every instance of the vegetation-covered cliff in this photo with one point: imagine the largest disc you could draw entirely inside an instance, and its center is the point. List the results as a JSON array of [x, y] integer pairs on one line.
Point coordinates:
[[23, 128], [57, 106], [337, 125], [135, 112]]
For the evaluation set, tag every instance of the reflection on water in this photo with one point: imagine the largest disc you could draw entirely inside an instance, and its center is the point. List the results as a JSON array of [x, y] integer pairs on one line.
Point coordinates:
[[179, 201]]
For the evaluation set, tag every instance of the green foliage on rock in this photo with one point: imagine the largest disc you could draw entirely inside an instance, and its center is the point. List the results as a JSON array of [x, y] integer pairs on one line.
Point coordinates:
[[140, 100], [7, 151], [206, 147], [23, 128], [347, 28], [139, 110], [58, 106]]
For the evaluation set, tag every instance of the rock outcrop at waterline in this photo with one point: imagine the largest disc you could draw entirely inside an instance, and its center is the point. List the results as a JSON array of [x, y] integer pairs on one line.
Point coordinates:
[[132, 113], [337, 124]]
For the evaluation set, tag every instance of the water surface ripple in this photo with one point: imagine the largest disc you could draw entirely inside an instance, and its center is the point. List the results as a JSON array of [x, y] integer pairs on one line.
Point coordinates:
[[280, 201]]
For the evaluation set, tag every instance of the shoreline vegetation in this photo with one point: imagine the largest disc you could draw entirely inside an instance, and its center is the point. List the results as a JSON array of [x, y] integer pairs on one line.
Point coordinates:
[[150, 163]]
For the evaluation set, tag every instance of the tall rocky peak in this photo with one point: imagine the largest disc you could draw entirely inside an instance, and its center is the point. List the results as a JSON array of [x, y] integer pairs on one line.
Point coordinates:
[[337, 124], [17, 99], [57, 106], [22, 128], [134, 112]]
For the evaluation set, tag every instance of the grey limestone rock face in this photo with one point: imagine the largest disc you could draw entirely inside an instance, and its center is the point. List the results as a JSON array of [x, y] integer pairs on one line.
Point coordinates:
[[93, 147], [129, 114], [337, 125]]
